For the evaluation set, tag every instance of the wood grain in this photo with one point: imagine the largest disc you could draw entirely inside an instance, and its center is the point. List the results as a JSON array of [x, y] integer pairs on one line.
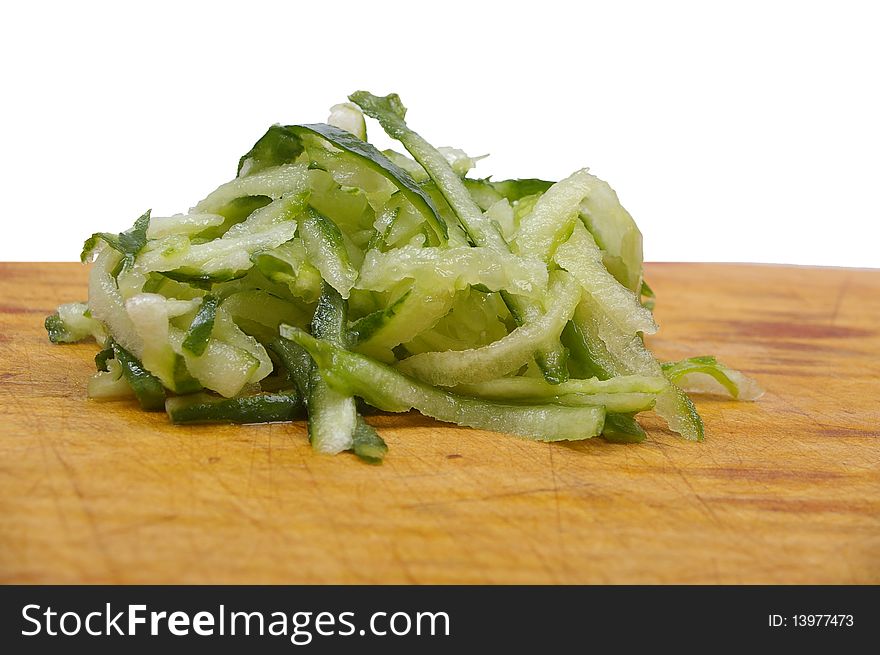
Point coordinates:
[[785, 490]]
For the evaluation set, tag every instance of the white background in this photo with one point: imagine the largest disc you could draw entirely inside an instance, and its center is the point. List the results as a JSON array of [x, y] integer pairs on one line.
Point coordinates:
[[745, 132]]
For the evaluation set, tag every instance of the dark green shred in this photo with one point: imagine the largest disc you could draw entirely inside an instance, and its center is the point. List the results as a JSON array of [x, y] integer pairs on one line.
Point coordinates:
[[623, 428], [515, 189], [583, 361], [258, 408], [128, 243], [102, 358], [57, 330], [364, 328], [279, 145], [146, 386], [367, 444], [296, 360], [647, 296], [706, 364], [199, 332]]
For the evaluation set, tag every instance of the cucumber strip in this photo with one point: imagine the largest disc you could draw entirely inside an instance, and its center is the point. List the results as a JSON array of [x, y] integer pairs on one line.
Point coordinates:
[[332, 412], [128, 243], [509, 353], [196, 339], [192, 276], [349, 206], [503, 215], [612, 402], [541, 231], [419, 311], [233, 212], [515, 190], [459, 161], [524, 206], [476, 319], [262, 307], [227, 331], [259, 408], [634, 393], [326, 250], [107, 305], [223, 368], [187, 224], [389, 390], [587, 348], [518, 388], [147, 387], [622, 428], [387, 224], [272, 182], [70, 324], [150, 313], [582, 258], [411, 166], [390, 112], [279, 145], [367, 444], [346, 116], [615, 232], [296, 360], [453, 269], [158, 283], [622, 353], [220, 260], [365, 328], [482, 192], [283, 210], [707, 375], [288, 264], [109, 383], [370, 157], [583, 358], [680, 414]]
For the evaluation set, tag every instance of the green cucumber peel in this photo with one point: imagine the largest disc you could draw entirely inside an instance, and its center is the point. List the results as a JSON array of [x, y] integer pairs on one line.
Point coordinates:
[[332, 412], [737, 385], [367, 444], [515, 190], [146, 386], [257, 408], [623, 428], [128, 243], [196, 339], [364, 328], [279, 145]]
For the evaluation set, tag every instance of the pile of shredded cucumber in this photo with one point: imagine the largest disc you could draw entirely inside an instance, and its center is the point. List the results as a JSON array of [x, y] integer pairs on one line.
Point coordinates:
[[329, 280]]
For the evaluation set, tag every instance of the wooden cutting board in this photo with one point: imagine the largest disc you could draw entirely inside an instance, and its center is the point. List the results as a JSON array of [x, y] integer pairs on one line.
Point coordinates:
[[784, 490]]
